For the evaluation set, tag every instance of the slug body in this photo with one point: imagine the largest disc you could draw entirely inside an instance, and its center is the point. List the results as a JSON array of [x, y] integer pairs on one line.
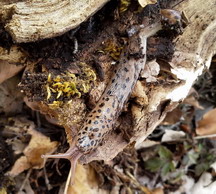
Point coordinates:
[[100, 121]]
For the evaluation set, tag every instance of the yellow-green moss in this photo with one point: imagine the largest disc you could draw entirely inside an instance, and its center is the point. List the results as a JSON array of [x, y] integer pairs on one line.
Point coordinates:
[[113, 49], [124, 4], [64, 87]]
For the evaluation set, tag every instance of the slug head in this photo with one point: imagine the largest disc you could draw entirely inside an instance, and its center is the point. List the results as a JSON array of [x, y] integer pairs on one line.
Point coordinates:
[[72, 154]]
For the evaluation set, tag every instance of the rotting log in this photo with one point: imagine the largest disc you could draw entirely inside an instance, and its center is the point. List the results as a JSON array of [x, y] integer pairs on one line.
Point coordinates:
[[29, 21], [194, 50], [151, 101]]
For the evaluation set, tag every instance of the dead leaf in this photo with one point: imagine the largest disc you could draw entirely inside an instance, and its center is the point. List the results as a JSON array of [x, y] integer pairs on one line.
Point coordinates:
[[20, 165], [204, 185], [3, 190], [85, 182], [38, 145], [207, 125], [173, 117], [146, 144], [143, 3], [171, 135], [191, 100], [158, 191], [150, 71]]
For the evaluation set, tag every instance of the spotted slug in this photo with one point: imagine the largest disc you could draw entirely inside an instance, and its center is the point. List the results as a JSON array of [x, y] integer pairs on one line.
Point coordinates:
[[100, 121]]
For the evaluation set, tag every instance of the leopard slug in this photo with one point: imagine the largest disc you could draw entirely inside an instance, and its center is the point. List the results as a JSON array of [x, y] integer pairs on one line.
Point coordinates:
[[100, 121]]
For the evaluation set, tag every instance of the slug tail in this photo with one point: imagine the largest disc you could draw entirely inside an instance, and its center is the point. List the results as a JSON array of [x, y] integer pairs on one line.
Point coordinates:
[[72, 154]]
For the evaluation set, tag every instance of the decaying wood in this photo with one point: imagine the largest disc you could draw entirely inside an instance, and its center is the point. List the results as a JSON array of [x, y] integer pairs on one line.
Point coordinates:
[[193, 52], [28, 21]]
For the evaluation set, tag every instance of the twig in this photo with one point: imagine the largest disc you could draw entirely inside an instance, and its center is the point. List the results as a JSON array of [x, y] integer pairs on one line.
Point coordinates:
[[49, 187], [205, 136], [25, 180]]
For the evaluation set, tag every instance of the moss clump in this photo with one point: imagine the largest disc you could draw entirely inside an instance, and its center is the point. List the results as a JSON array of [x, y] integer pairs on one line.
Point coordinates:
[[124, 4], [113, 49], [61, 88]]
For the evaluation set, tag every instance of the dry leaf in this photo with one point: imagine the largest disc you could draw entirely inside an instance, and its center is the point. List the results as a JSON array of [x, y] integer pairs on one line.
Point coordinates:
[[191, 100], [85, 182], [150, 71], [173, 117], [143, 3], [171, 135], [204, 185], [38, 145], [158, 191], [207, 125], [146, 144]]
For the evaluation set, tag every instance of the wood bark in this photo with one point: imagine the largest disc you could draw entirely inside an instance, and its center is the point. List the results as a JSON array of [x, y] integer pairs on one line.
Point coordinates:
[[29, 21]]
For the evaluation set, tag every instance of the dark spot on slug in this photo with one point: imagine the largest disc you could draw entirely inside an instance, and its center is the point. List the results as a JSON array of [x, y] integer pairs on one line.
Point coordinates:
[[99, 134], [113, 80], [124, 61], [124, 86], [103, 126], [101, 105], [107, 126], [135, 77], [117, 75], [83, 132], [95, 122], [101, 121], [96, 141], [89, 122], [86, 128], [113, 104], [107, 99], [97, 117], [109, 120], [90, 115], [99, 110], [115, 70], [128, 79], [109, 92], [126, 69], [116, 85], [92, 142], [108, 110], [96, 129], [91, 129], [79, 133], [91, 136], [94, 111]]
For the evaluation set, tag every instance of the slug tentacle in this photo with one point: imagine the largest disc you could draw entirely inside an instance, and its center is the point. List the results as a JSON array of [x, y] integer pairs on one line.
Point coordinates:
[[72, 154]]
